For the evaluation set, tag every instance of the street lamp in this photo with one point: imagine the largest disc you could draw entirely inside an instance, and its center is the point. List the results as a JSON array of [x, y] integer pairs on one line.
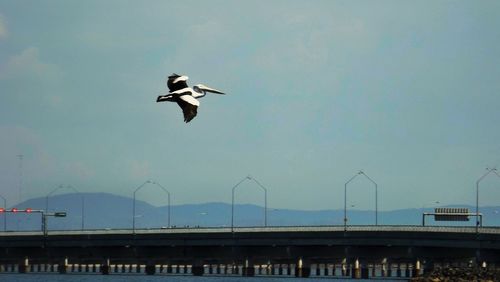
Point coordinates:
[[345, 197], [232, 199], [265, 200], [133, 204], [139, 188], [489, 170], [168, 194], [4, 214], [72, 189]]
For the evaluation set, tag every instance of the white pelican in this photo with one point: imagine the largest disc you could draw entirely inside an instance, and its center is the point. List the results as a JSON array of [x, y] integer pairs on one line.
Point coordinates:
[[185, 96]]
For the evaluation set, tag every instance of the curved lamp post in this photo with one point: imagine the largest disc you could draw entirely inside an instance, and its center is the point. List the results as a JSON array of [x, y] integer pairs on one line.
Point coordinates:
[[4, 213], [74, 190], [139, 188], [345, 197], [232, 199], [168, 205], [489, 170]]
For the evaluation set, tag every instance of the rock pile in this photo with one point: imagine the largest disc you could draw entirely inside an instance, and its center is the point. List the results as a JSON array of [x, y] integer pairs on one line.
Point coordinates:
[[460, 274]]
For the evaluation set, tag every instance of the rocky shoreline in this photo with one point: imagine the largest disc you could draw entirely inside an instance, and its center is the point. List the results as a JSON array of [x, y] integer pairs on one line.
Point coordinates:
[[461, 274]]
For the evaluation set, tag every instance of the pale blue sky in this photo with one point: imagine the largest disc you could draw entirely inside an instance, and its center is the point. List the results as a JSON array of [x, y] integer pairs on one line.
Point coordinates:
[[408, 91]]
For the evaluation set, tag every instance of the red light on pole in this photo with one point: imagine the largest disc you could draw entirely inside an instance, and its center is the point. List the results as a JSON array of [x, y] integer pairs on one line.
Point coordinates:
[[28, 210], [14, 210], [2, 210]]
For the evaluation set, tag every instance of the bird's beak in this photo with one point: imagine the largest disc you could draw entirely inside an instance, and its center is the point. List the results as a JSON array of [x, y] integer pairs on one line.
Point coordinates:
[[211, 90]]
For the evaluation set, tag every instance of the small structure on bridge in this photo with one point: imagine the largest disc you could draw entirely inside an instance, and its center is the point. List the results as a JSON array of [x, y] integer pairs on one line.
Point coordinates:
[[451, 214]]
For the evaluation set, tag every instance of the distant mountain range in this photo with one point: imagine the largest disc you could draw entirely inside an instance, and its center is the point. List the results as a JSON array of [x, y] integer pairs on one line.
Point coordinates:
[[104, 210]]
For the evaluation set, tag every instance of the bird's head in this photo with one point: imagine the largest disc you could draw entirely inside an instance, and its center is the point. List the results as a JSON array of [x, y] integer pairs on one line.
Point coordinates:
[[203, 88]]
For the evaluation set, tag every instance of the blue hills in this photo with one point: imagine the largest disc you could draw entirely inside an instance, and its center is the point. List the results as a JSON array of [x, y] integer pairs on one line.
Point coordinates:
[[103, 210]]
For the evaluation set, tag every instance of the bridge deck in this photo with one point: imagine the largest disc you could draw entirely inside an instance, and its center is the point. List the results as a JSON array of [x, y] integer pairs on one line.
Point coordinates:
[[316, 243], [271, 229]]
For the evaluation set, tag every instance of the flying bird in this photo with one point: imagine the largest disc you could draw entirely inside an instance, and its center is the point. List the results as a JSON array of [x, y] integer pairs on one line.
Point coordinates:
[[185, 96]]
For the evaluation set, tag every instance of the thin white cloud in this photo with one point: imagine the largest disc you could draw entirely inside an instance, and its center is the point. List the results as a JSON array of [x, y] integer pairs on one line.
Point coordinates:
[[80, 170], [201, 42], [37, 164], [139, 169], [311, 44], [41, 167], [3, 28], [28, 64], [29, 72]]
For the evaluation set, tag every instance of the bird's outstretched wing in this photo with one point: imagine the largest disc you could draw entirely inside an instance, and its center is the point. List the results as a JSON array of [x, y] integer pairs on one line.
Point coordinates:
[[176, 82], [189, 106]]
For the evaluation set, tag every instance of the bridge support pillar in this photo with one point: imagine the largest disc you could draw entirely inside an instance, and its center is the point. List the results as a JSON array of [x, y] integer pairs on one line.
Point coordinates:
[[303, 268], [389, 270], [343, 268], [385, 268], [197, 268], [24, 266], [407, 270], [365, 271], [248, 271], [429, 265], [248, 268], [150, 269], [63, 267], [356, 270], [105, 267], [416, 269]]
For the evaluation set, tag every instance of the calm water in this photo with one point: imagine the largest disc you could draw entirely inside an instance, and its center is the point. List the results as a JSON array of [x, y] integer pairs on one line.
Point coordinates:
[[144, 278]]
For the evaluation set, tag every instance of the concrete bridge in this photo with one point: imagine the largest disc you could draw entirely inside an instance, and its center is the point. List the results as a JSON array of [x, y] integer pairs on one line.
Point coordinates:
[[355, 251]]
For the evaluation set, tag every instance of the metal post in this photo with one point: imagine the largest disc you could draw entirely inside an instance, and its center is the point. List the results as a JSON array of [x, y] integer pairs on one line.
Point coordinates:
[[46, 214], [265, 200], [376, 196], [44, 224], [345, 197], [83, 212], [82, 205], [133, 204], [168, 194], [139, 188], [423, 219], [4, 213], [232, 201], [489, 170]]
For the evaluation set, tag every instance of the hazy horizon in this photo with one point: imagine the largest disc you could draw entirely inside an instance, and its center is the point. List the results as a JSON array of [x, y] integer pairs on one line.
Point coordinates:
[[104, 210], [76, 196]]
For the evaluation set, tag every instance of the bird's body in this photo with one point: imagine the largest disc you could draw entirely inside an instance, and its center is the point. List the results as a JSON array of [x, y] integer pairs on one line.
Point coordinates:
[[185, 96]]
